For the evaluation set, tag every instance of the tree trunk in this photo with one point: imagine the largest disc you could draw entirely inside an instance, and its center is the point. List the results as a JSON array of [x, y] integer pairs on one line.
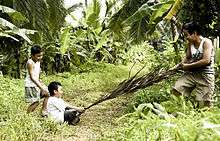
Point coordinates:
[[1, 64], [173, 27], [17, 57], [86, 3]]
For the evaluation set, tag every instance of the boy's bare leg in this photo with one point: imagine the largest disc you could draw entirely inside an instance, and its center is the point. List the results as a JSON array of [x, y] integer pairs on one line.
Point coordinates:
[[32, 107]]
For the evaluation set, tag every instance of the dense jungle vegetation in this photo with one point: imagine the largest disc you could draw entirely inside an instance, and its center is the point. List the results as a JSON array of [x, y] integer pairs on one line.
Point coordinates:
[[109, 43]]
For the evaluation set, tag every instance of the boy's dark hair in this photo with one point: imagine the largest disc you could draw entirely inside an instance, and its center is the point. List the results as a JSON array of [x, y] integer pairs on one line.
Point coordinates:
[[53, 86], [192, 27], [35, 49]]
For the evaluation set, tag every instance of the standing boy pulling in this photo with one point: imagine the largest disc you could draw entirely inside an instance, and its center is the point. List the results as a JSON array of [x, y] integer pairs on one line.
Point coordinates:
[[198, 65], [34, 88]]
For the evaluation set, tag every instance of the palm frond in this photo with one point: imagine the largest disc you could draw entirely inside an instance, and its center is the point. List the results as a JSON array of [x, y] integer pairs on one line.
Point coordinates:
[[127, 10], [6, 24], [15, 15], [37, 13], [144, 11], [46, 16], [21, 32], [14, 30], [8, 36], [145, 19], [136, 83], [160, 10], [137, 31], [57, 14]]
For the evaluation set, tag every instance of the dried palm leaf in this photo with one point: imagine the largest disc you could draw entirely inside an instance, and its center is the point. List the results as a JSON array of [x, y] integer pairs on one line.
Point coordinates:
[[135, 83]]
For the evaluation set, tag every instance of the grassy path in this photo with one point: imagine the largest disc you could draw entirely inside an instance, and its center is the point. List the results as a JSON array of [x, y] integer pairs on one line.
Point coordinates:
[[98, 121], [82, 90]]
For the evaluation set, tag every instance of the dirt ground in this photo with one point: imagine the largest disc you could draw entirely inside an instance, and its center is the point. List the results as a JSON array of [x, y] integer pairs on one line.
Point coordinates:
[[99, 120]]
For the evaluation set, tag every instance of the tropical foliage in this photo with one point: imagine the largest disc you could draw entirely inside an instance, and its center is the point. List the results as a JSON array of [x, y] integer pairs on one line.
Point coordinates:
[[8, 29], [204, 12], [108, 44]]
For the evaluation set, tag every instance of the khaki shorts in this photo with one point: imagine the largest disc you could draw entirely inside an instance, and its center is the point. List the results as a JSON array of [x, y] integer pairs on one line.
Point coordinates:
[[202, 84], [32, 94]]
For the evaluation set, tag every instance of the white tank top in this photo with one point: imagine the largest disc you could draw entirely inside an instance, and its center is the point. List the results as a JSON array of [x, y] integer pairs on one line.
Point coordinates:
[[36, 73], [197, 54]]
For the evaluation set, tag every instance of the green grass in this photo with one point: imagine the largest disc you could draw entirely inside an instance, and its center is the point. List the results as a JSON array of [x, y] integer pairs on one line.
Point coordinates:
[[81, 89], [112, 120]]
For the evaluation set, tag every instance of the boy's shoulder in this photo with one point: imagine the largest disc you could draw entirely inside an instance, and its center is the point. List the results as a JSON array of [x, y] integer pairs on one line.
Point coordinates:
[[55, 100], [30, 61]]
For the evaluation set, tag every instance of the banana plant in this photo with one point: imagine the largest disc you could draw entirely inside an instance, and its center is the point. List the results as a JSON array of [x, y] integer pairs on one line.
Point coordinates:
[[174, 10], [141, 21], [8, 29], [11, 49], [45, 16], [89, 37]]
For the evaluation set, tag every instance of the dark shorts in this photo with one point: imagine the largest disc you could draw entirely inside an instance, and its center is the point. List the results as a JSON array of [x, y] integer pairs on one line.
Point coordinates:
[[71, 116]]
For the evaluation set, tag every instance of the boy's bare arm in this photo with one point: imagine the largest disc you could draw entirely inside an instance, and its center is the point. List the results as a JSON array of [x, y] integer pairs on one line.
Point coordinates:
[[30, 71], [74, 107], [206, 57]]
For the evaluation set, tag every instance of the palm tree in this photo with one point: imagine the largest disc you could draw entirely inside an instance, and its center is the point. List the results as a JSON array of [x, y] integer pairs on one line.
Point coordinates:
[[10, 33], [46, 16], [140, 18]]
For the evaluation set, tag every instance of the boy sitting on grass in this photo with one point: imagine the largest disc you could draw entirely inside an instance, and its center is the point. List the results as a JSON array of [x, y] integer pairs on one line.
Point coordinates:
[[58, 109]]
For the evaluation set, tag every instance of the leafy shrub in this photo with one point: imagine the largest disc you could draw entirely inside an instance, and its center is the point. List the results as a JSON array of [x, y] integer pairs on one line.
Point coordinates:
[[141, 125]]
